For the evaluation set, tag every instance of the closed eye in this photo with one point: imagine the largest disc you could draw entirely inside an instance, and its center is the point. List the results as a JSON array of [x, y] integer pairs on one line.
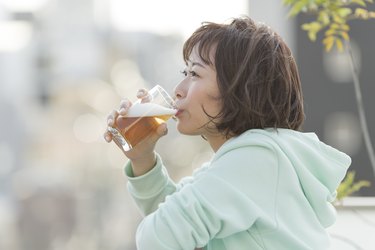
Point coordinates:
[[190, 73], [184, 72]]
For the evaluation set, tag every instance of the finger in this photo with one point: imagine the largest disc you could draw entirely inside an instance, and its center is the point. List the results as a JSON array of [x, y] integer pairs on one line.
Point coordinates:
[[162, 130], [152, 139], [124, 106], [107, 136], [144, 95], [112, 117]]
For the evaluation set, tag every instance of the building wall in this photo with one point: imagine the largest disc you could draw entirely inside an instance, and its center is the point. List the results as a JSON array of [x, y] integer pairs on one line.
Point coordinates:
[[330, 103]]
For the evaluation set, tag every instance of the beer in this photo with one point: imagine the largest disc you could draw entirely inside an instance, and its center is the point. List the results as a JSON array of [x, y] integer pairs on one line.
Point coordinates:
[[141, 120]]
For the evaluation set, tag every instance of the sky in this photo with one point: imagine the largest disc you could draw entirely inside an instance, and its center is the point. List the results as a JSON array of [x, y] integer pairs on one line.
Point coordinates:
[[172, 16]]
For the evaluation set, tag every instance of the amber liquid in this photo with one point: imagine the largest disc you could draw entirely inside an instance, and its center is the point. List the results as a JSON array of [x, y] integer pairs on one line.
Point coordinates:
[[136, 129]]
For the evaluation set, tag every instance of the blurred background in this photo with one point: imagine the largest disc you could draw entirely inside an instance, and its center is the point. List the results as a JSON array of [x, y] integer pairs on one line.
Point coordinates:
[[65, 64]]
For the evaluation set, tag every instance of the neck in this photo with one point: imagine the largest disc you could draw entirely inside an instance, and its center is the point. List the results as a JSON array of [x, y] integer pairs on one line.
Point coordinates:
[[216, 141]]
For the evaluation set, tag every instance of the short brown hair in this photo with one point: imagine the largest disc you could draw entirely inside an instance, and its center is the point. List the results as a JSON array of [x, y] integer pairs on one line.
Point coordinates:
[[257, 75]]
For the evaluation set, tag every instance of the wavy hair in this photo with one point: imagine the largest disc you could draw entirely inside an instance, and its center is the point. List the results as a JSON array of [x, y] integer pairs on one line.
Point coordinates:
[[257, 75]]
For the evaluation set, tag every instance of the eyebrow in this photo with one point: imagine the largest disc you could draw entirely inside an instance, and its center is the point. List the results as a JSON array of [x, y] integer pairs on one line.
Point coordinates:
[[197, 64]]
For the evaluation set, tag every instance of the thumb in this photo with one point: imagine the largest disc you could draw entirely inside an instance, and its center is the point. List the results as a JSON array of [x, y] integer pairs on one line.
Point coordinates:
[[162, 129]]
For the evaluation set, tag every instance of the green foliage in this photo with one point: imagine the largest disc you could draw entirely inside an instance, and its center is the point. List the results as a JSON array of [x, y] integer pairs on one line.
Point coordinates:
[[332, 17], [348, 186]]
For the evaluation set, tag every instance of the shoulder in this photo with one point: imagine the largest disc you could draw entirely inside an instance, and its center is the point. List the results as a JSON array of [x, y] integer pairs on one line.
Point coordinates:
[[252, 143], [251, 156], [244, 170]]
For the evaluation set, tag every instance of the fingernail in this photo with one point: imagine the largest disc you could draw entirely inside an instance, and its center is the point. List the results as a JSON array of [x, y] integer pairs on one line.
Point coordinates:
[[165, 131], [107, 138], [141, 93], [122, 111], [110, 122], [125, 102]]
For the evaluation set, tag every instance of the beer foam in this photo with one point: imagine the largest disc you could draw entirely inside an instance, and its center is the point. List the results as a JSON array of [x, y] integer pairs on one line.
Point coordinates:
[[149, 109]]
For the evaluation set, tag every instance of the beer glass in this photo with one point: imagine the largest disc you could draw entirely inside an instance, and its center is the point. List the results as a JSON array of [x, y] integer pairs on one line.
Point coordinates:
[[143, 118]]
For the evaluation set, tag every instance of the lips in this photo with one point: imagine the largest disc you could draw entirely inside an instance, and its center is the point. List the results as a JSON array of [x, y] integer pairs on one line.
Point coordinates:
[[179, 111]]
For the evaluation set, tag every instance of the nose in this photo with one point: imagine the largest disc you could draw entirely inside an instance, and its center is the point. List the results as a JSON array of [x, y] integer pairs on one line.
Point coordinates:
[[180, 90]]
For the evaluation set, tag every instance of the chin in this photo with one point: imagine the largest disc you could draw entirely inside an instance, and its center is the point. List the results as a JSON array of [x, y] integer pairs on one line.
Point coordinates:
[[186, 130]]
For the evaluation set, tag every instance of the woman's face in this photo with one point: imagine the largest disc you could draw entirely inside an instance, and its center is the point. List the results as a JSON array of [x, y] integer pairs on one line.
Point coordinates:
[[196, 96]]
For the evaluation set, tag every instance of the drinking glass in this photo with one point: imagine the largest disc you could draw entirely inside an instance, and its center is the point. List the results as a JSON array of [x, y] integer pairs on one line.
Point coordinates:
[[143, 118]]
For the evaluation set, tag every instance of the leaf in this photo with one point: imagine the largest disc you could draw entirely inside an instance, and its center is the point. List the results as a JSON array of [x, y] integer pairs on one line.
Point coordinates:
[[360, 184], [344, 12], [306, 26], [323, 17], [315, 26], [297, 8], [330, 32], [361, 13], [312, 35], [360, 2], [348, 186], [312, 29], [344, 27], [350, 178], [344, 186], [312, 7], [335, 26], [338, 19], [288, 2], [345, 35], [339, 45], [328, 42]]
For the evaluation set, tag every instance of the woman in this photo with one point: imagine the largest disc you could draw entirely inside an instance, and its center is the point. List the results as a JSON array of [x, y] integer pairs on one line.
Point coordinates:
[[268, 185]]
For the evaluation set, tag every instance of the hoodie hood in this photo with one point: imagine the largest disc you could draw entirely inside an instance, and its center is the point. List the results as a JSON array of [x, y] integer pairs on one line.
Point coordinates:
[[320, 168]]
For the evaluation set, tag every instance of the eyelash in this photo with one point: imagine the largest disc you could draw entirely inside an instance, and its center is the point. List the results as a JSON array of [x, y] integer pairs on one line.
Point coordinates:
[[191, 73]]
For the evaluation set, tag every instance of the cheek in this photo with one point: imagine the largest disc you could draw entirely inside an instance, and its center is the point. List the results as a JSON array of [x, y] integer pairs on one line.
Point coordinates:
[[188, 125], [203, 99], [192, 120], [212, 108]]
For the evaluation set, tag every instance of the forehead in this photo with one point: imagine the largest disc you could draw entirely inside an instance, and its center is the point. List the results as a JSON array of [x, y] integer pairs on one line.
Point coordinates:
[[205, 57], [194, 56]]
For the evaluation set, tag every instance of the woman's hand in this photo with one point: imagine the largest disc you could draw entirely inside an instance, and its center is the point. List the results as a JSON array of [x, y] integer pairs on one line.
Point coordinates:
[[142, 156]]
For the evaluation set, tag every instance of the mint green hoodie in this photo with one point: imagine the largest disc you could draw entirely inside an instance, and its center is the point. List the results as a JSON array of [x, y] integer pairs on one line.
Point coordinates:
[[264, 189]]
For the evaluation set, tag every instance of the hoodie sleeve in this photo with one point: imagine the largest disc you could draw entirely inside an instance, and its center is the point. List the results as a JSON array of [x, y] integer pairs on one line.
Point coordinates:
[[151, 188], [216, 204]]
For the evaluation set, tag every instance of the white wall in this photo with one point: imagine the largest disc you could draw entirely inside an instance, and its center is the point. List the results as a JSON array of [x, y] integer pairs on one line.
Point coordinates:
[[275, 14]]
